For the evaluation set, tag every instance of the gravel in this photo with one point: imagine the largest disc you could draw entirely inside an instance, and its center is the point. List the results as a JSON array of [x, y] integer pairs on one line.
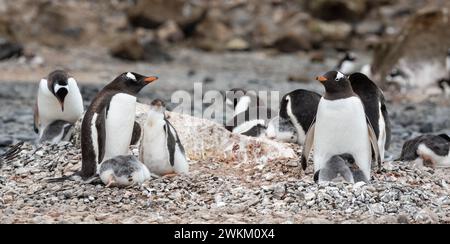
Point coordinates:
[[402, 193]]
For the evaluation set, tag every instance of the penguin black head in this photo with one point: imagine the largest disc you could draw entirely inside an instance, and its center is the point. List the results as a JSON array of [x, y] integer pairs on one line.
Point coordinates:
[[234, 96], [443, 83], [337, 85], [58, 84], [131, 83]]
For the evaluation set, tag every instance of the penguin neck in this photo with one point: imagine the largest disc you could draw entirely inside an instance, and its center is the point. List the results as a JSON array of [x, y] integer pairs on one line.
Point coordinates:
[[339, 94], [154, 117]]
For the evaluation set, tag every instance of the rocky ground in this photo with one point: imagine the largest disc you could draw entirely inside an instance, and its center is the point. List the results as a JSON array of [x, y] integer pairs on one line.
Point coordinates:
[[215, 191]]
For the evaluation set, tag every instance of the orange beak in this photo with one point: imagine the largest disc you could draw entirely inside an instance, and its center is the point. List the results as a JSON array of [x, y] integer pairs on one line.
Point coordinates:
[[150, 79], [322, 79]]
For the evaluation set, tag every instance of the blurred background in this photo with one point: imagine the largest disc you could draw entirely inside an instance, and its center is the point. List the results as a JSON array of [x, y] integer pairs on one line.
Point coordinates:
[[254, 44]]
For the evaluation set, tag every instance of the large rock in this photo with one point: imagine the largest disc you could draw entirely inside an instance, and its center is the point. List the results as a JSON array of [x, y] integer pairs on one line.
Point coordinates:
[[348, 10], [213, 33], [136, 48], [205, 139], [153, 13], [9, 49], [419, 49]]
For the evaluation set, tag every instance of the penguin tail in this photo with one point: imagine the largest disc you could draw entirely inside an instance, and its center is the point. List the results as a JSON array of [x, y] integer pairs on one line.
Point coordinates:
[[61, 179], [74, 177]]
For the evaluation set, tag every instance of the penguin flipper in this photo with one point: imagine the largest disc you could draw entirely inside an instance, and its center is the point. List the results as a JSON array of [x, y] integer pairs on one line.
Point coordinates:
[[307, 146], [387, 123], [374, 142], [178, 141], [136, 133], [74, 177], [170, 143]]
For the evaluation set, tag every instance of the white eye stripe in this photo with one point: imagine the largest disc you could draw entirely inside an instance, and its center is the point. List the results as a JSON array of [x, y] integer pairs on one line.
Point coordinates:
[[131, 76], [339, 75], [57, 87]]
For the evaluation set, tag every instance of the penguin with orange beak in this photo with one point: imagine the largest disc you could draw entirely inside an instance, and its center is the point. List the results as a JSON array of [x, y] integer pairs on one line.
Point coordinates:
[[108, 125], [341, 127]]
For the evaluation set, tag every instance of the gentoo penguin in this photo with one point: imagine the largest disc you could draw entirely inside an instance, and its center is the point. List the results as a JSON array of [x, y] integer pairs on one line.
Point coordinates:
[[340, 167], [398, 77], [107, 127], [251, 122], [300, 108], [341, 126], [58, 99], [241, 100], [122, 171], [375, 107], [57, 131], [432, 150], [444, 84], [281, 130], [346, 64], [161, 149]]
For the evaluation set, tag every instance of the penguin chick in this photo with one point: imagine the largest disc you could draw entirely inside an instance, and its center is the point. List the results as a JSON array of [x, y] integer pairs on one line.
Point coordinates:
[[336, 169], [56, 132], [161, 149], [123, 171]]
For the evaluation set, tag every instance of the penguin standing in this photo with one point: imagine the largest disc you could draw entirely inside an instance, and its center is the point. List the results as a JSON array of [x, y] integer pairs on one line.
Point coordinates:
[[347, 64], [56, 132], [398, 77], [375, 107], [161, 149], [340, 127], [58, 98], [122, 171], [107, 127], [429, 150]]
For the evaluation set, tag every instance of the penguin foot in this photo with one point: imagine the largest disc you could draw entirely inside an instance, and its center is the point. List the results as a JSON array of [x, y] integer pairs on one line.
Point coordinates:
[[170, 175], [111, 182]]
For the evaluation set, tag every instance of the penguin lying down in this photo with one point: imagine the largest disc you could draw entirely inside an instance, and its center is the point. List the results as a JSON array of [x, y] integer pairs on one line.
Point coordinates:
[[123, 171], [340, 168], [429, 150], [56, 132]]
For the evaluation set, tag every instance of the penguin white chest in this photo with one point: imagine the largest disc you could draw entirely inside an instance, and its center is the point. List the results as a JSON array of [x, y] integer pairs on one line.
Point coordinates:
[[50, 109], [154, 152], [341, 127], [119, 124]]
